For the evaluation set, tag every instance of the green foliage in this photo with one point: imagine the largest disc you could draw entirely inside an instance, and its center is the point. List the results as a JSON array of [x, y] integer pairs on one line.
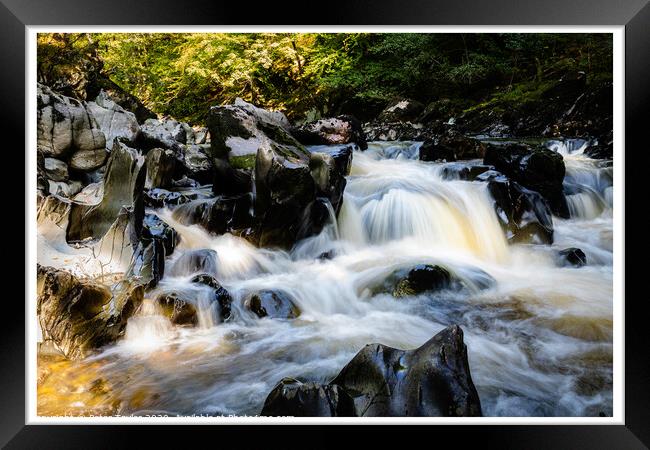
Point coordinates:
[[243, 162], [183, 74]]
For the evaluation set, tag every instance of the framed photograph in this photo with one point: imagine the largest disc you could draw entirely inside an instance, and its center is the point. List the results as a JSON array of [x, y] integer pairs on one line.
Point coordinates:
[[416, 220]]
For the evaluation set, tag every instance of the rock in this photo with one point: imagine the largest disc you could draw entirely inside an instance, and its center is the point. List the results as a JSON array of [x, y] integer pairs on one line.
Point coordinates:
[[155, 228], [539, 169], [570, 85], [401, 131], [123, 187], [572, 256], [403, 110], [201, 136], [272, 303], [63, 189], [162, 198], [451, 146], [203, 261], [331, 131], [442, 110], [148, 264], [329, 169], [424, 278], [463, 171], [55, 170], [41, 176], [167, 133], [524, 215], [220, 215], [179, 311], [290, 397], [113, 120], [433, 380], [66, 130], [198, 165], [221, 295], [601, 148], [242, 128], [161, 167], [81, 316]]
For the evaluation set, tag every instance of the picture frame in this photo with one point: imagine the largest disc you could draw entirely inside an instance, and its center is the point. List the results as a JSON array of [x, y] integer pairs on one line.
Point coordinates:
[[634, 16]]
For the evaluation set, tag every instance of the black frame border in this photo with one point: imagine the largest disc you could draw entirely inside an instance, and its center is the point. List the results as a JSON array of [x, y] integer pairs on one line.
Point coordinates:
[[15, 15]]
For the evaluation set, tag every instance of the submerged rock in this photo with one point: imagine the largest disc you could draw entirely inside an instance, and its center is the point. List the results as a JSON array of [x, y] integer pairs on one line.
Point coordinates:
[[433, 380], [220, 294], [81, 316], [272, 303], [539, 169], [179, 311], [424, 278], [331, 131], [290, 397], [524, 215], [203, 261], [572, 256]]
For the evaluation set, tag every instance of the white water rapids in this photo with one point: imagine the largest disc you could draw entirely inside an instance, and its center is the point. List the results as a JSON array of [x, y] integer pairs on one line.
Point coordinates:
[[539, 341]]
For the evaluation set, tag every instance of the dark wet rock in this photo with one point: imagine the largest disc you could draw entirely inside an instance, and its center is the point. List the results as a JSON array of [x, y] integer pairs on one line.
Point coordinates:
[[81, 316], [272, 303], [221, 295], [148, 264], [425, 278], [451, 146], [123, 187], [601, 148], [55, 169], [329, 171], [66, 130], [290, 397], [198, 165], [539, 169], [402, 131], [185, 182], [463, 171], [524, 215], [162, 198], [441, 110], [219, 215], [402, 110], [570, 85], [161, 167], [155, 228], [285, 191], [330, 254], [433, 380], [41, 175], [572, 257], [179, 311], [331, 131], [113, 120], [195, 261]]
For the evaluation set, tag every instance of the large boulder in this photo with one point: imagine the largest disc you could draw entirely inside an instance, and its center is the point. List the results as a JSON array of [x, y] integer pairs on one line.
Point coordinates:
[[331, 131], [451, 146], [539, 169], [113, 120], [524, 215], [55, 169], [67, 130], [290, 397], [123, 187], [81, 316], [166, 132], [433, 380], [272, 303], [402, 110], [198, 164]]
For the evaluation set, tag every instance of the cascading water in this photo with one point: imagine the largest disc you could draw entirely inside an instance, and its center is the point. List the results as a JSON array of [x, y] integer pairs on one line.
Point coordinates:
[[539, 341]]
